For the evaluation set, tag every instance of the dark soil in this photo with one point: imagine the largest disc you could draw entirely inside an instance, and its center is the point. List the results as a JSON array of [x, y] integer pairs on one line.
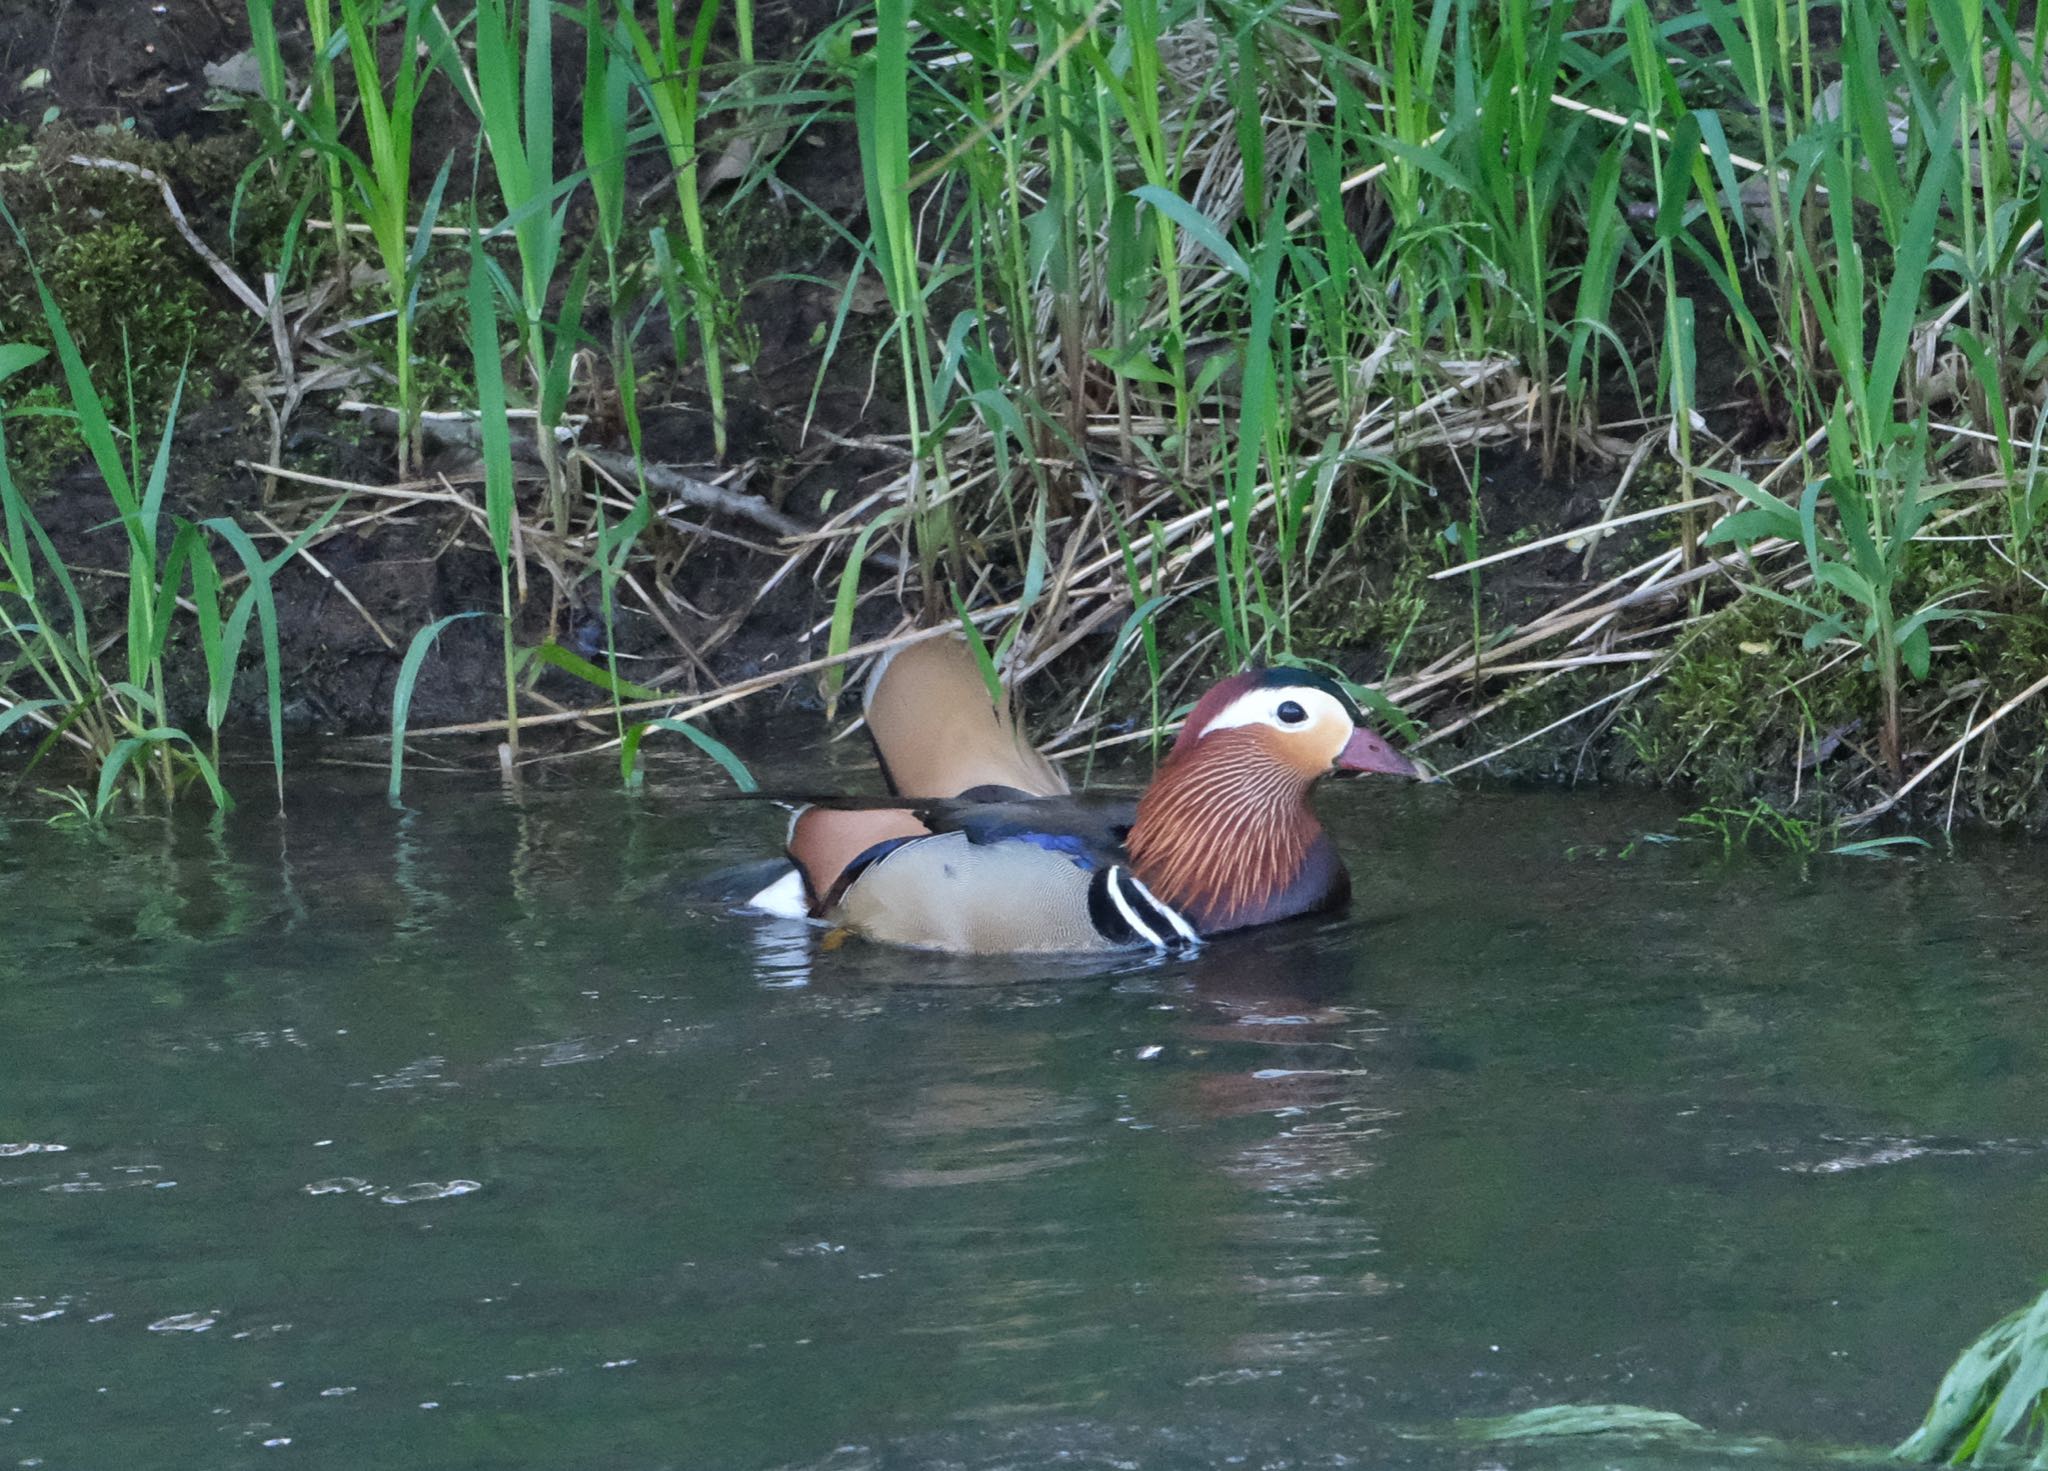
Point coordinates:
[[119, 61]]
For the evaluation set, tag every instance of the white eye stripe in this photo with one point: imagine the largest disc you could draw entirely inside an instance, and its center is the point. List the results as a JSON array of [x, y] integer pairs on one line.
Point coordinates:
[[1262, 707]]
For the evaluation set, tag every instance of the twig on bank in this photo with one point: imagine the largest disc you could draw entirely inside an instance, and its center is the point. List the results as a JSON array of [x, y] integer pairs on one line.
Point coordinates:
[[357, 227], [1948, 754], [305, 555], [690, 491], [1597, 529], [461, 431], [243, 292]]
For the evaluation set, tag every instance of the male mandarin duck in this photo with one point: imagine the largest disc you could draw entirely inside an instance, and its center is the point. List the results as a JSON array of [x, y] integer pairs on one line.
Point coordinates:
[[984, 859]]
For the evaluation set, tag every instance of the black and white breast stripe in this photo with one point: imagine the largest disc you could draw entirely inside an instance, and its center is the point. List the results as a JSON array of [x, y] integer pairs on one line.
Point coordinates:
[[1125, 912]]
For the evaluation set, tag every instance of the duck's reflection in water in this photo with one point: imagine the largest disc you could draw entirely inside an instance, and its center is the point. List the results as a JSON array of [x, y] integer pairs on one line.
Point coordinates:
[[1289, 1067], [1253, 1104], [1282, 1013]]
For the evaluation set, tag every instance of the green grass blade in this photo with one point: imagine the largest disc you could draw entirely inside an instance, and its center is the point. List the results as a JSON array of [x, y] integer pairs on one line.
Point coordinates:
[[841, 636], [17, 356], [127, 749], [569, 662], [1198, 227], [717, 750], [401, 693], [261, 574], [1910, 258], [15, 714]]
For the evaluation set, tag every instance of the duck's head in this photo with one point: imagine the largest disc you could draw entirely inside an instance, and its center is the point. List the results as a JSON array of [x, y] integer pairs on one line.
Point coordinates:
[[1300, 720], [1224, 834]]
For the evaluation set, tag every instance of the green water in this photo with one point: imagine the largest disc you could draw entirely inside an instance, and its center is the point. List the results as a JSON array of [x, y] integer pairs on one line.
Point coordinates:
[[461, 1137]]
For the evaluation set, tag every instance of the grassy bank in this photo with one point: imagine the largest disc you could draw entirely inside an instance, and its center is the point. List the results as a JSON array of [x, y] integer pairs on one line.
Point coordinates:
[[1654, 393]]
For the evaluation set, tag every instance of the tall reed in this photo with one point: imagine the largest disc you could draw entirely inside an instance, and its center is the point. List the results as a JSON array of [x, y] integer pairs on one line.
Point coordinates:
[[513, 97], [1189, 305], [672, 80], [382, 182]]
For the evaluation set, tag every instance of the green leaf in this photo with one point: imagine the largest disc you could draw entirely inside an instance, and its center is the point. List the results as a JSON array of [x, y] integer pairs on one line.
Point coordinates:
[[16, 356], [126, 750], [841, 637], [1909, 278], [1745, 528], [1675, 187], [1878, 847], [984, 660], [261, 571], [14, 714], [401, 694], [572, 663], [717, 750], [1773, 515], [1913, 649], [1139, 622], [568, 327], [1198, 226], [1845, 579], [1134, 362], [493, 427]]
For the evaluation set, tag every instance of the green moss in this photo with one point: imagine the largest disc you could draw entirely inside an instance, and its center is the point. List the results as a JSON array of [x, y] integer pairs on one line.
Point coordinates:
[[136, 298], [135, 313], [1744, 705], [1381, 597]]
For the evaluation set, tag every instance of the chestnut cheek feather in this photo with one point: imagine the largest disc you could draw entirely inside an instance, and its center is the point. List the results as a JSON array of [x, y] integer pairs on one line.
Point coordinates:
[[1225, 830]]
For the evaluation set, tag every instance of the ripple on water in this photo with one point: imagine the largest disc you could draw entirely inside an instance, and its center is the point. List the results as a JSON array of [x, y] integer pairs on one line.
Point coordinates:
[[413, 1194], [128, 1177], [421, 1190], [340, 1185], [1875, 1152], [972, 1133], [35, 1309], [424, 1072], [13, 1151], [186, 1322], [565, 1053]]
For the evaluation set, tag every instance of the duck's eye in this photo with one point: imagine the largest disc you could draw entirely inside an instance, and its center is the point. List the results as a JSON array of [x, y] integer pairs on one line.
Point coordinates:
[[1291, 713]]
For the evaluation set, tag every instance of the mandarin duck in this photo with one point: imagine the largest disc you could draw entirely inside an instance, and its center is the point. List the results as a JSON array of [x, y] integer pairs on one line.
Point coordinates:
[[989, 853]]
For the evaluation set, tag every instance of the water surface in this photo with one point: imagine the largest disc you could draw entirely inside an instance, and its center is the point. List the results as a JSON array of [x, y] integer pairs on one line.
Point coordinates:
[[462, 1136]]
